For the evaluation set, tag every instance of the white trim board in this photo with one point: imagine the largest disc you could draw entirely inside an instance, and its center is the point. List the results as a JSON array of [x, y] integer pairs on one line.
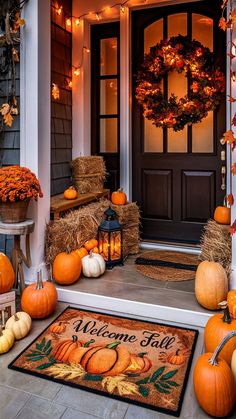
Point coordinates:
[[134, 308], [194, 250]]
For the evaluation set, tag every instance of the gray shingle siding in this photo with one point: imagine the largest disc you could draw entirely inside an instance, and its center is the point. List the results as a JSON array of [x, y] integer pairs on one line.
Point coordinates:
[[61, 110]]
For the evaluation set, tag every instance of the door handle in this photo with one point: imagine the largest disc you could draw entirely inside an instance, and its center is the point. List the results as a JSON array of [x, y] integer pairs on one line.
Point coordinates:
[[223, 178]]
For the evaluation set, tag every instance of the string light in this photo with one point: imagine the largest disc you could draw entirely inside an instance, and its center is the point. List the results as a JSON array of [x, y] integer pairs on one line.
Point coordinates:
[[97, 14], [76, 71], [86, 50], [233, 76], [59, 10], [55, 91]]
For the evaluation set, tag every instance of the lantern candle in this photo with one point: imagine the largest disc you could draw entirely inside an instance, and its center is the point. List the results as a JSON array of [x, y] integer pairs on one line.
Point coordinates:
[[110, 239]]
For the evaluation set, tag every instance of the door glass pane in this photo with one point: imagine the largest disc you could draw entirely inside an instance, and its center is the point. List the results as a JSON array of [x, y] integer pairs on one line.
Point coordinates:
[[202, 135], [202, 30], [153, 138], [108, 96], [177, 24], [178, 141], [153, 34], [108, 135], [108, 56]]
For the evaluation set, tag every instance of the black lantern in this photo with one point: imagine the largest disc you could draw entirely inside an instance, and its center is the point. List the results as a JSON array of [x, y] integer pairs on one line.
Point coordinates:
[[110, 239]]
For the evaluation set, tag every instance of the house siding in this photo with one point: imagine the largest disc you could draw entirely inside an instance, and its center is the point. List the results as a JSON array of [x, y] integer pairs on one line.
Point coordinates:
[[9, 139], [61, 110]]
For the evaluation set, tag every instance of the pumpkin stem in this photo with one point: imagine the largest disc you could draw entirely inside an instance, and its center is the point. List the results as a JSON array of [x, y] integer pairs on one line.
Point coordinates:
[[213, 359], [39, 283], [16, 318], [113, 345], [91, 253], [74, 338], [142, 354], [226, 317], [177, 352], [86, 345]]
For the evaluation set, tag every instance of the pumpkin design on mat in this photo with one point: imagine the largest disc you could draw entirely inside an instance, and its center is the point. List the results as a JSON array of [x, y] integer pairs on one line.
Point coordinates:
[[58, 328], [119, 197], [217, 327], [139, 363], [213, 380], [39, 299], [66, 268], [77, 353], [7, 274], [63, 348], [109, 360], [211, 284]]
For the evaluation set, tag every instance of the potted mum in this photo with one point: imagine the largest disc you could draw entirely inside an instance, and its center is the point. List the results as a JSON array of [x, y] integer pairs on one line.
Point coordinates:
[[17, 186]]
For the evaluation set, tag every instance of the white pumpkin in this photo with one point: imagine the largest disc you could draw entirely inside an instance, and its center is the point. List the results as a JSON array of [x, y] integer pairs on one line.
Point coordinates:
[[20, 324], [93, 265], [6, 340]]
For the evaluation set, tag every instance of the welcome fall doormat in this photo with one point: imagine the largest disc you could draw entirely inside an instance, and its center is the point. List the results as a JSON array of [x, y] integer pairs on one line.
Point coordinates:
[[132, 360]]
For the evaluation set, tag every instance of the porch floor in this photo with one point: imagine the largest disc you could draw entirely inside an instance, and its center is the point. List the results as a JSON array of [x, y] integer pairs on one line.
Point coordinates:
[[124, 289]]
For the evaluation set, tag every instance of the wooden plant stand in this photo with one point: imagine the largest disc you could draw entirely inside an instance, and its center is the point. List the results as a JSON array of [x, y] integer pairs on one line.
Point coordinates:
[[7, 305], [59, 204], [18, 257]]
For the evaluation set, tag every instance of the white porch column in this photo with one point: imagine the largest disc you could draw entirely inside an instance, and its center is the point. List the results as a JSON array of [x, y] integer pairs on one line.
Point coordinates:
[[125, 104], [35, 116], [81, 87]]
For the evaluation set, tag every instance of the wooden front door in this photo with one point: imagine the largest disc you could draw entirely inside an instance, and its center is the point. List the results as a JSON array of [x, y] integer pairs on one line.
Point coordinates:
[[177, 175]]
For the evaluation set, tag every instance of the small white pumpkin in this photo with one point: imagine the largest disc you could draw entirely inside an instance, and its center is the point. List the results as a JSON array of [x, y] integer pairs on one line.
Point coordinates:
[[93, 265], [20, 324], [6, 340]]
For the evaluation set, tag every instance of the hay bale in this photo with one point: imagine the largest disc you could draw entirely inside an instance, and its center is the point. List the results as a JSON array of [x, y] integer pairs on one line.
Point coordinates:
[[88, 174], [216, 245], [78, 226]]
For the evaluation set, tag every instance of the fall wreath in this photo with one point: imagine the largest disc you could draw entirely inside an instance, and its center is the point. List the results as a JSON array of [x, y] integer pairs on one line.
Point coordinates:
[[206, 83]]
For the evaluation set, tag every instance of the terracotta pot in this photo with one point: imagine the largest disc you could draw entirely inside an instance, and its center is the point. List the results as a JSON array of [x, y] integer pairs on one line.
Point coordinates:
[[14, 212]]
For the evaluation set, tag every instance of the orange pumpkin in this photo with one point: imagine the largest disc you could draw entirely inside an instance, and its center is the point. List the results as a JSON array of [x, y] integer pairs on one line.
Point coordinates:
[[108, 360], [81, 252], [217, 327], [70, 193], [231, 300], [119, 197], [176, 358], [7, 274], [77, 353], [58, 328], [64, 347], [39, 299], [222, 215], [66, 268], [139, 363], [90, 244], [214, 384]]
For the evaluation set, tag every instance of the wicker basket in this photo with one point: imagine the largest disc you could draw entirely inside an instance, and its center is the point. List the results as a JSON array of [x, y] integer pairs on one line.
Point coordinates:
[[13, 212]]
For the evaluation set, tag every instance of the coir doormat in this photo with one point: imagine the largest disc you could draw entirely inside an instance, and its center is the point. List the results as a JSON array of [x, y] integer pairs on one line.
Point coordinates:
[[131, 360]]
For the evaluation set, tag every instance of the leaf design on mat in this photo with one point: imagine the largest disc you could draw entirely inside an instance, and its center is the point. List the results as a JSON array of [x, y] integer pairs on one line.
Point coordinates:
[[157, 374], [168, 375], [161, 389], [43, 350], [124, 388], [66, 371]]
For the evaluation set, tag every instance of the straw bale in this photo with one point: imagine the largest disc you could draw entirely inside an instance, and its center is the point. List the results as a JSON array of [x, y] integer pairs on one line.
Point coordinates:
[[89, 174], [216, 245], [71, 231]]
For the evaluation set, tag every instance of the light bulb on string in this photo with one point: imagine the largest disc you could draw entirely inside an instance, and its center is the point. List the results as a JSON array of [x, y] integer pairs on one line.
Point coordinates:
[[76, 72], [122, 9], [68, 22], [98, 17], [233, 76], [77, 21], [59, 10], [86, 50]]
